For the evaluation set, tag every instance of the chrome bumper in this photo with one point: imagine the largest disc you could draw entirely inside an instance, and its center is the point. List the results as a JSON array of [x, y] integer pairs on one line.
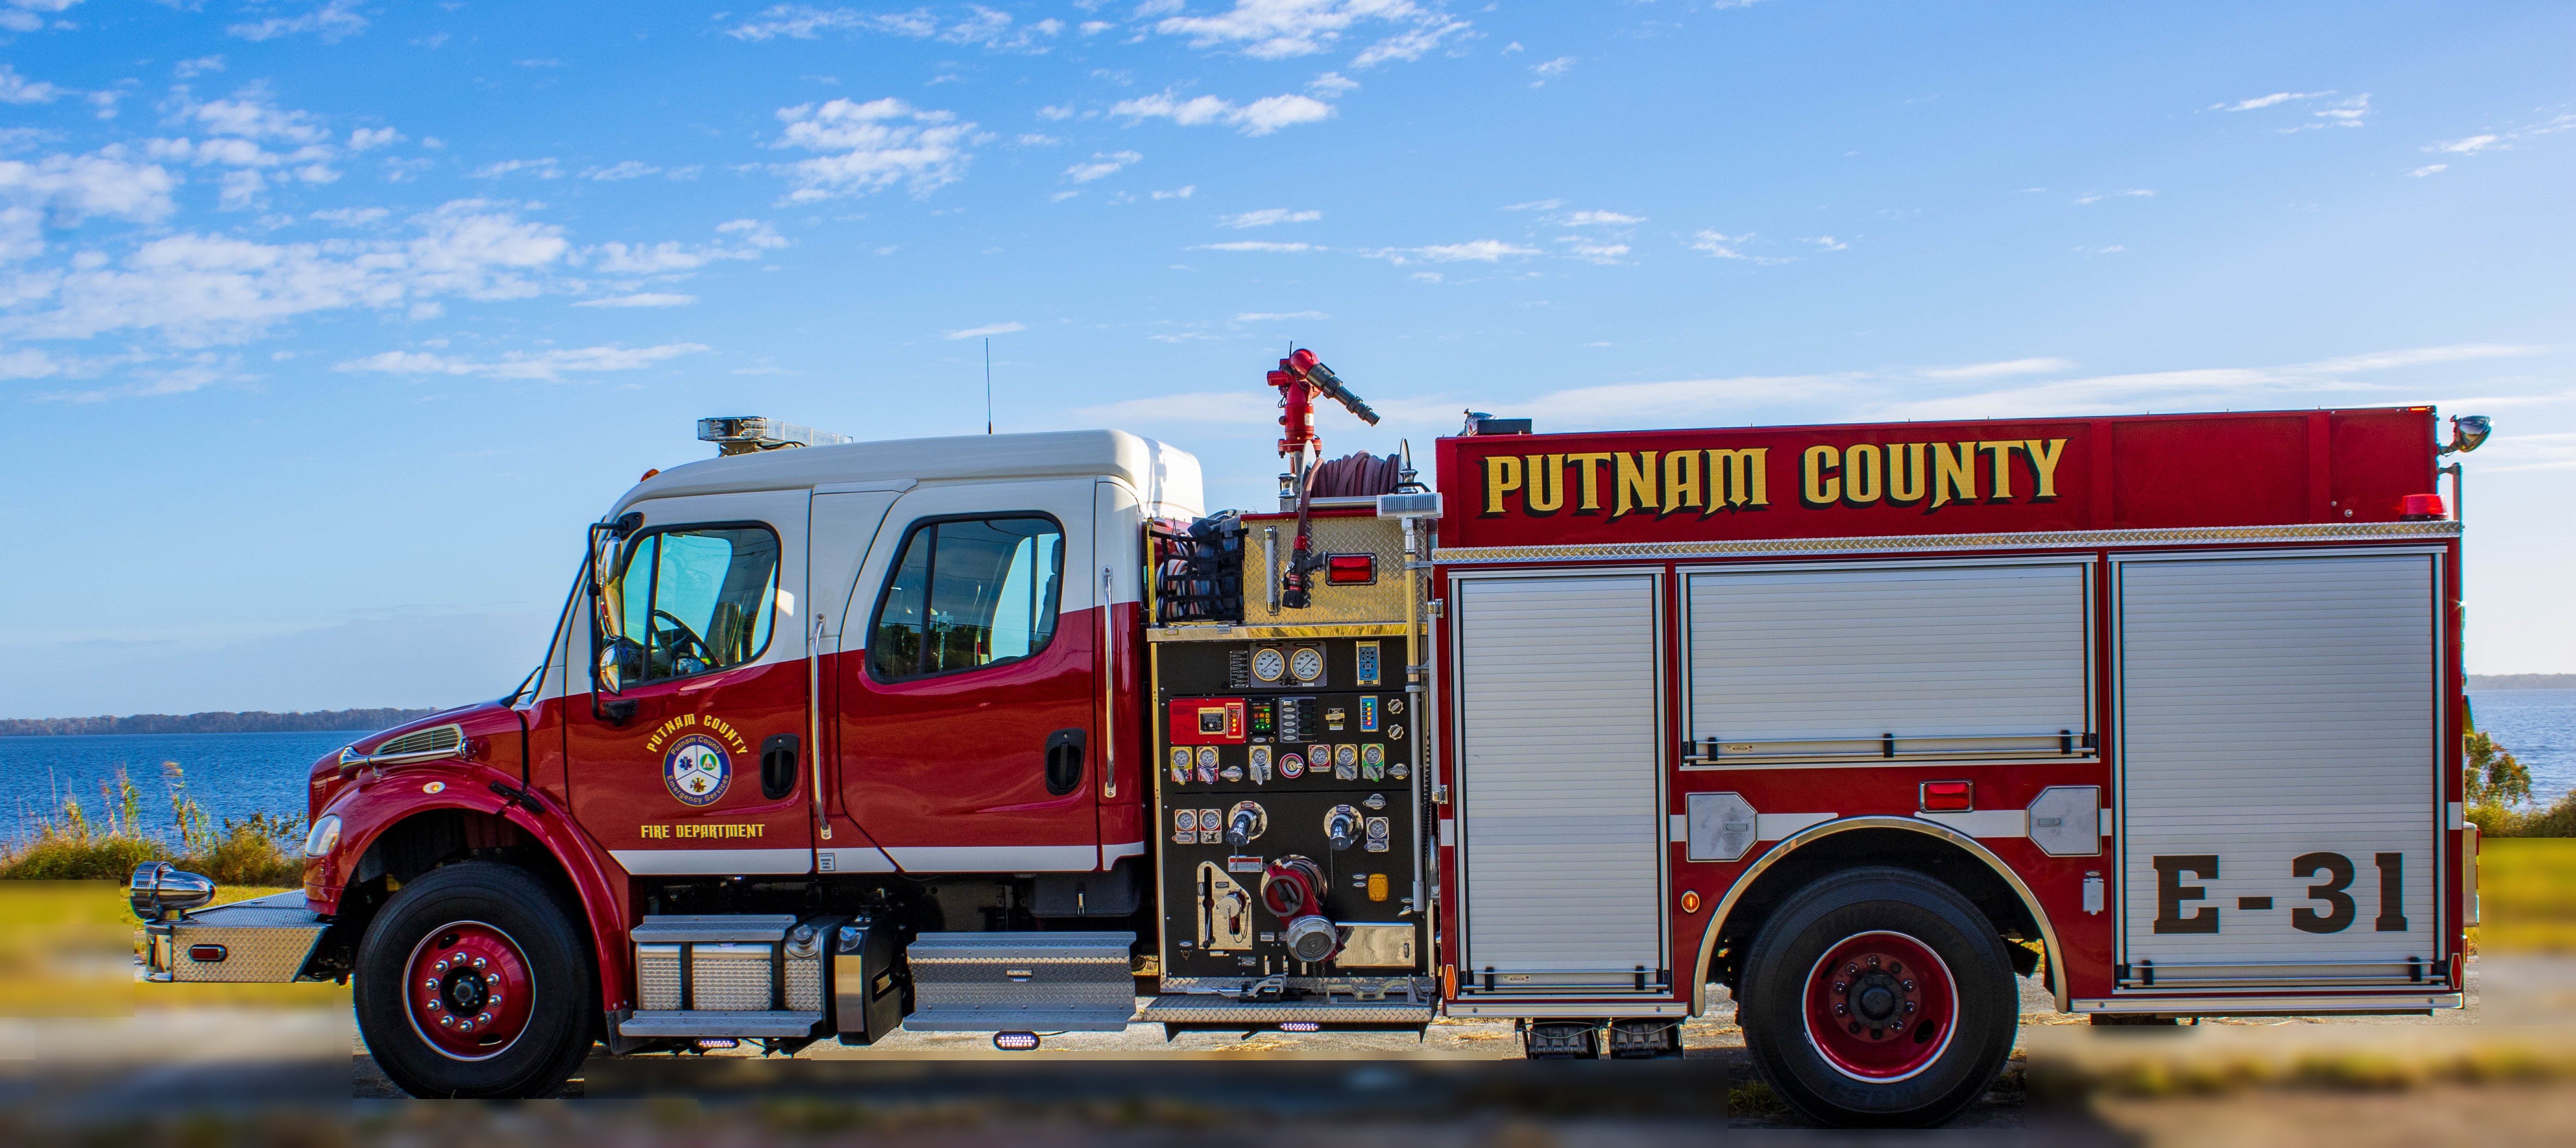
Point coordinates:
[[265, 941]]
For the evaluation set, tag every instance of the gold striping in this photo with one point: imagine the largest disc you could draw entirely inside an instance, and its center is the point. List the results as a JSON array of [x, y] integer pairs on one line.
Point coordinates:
[[1206, 633], [2305, 532]]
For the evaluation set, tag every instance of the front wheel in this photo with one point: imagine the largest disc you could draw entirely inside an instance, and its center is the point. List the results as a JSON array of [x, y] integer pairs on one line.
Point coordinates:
[[473, 983], [1878, 997]]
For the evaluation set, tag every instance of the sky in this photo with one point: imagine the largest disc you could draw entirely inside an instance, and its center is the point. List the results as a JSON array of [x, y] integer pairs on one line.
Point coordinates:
[[324, 328]]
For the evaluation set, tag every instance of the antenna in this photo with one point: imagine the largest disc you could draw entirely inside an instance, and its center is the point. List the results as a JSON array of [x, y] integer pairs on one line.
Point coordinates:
[[988, 384]]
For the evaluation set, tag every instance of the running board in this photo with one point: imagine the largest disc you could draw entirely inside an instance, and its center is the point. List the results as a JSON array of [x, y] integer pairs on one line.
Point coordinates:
[[1021, 982], [715, 1023], [1195, 1009]]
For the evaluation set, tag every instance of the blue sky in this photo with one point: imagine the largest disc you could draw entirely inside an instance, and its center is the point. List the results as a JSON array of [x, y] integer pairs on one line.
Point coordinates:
[[323, 328]]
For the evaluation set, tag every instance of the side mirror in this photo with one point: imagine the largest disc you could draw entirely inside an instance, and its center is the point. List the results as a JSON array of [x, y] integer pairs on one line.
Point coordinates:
[[619, 659], [2467, 432]]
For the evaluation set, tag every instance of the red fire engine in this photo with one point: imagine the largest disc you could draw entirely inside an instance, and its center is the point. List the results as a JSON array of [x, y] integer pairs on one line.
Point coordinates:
[[1001, 734]]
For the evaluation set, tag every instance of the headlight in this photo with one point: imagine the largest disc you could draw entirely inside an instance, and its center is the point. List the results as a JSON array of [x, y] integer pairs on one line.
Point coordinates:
[[324, 838]]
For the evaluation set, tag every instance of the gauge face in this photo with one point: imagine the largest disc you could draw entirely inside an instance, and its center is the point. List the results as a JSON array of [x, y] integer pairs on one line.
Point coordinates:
[[1307, 664], [1186, 819], [1268, 663], [1373, 754], [1346, 754], [1292, 765]]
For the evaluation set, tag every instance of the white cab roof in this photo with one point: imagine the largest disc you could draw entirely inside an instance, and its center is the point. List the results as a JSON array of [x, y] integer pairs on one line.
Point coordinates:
[[1165, 478]]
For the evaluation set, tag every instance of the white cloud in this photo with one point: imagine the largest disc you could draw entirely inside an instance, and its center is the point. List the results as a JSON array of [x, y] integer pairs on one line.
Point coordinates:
[[196, 289], [1055, 112], [1601, 219], [1473, 251], [983, 28], [368, 139], [546, 366], [2237, 388], [1535, 205], [872, 146], [1998, 370], [1332, 85], [1182, 192], [1281, 29], [669, 257], [2471, 145], [1410, 44], [62, 190], [1036, 139], [544, 168], [1724, 246], [623, 169], [1551, 69], [251, 115], [1278, 316], [2350, 113], [186, 70], [1258, 118], [647, 299], [17, 89], [2266, 101], [2099, 196], [2429, 169], [1593, 251], [1829, 243], [1255, 245], [1232, 406], [331, 22], [1268, 216], [1101, 165], [351, 216], [988, 329]]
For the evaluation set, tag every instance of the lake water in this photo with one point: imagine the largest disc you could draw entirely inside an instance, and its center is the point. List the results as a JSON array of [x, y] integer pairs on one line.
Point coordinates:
[[234, 774]]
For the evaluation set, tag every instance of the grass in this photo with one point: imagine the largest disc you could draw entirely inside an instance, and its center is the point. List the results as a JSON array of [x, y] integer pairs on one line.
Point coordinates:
[[71, 845], [2527, 895]]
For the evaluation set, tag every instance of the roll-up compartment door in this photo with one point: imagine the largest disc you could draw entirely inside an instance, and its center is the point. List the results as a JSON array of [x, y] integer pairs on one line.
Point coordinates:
[[1560, 797], [1916, 662], [2278, 785]]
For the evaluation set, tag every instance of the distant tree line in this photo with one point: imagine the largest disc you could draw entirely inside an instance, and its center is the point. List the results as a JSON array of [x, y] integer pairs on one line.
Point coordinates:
[[257, 721]]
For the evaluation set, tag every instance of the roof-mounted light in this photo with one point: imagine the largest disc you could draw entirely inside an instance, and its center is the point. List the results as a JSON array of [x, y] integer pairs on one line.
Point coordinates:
[[750, 434], [2467, 431]]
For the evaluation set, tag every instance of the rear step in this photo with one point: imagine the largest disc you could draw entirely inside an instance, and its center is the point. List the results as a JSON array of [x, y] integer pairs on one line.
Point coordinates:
[[1194, 1010], [1021, 982]]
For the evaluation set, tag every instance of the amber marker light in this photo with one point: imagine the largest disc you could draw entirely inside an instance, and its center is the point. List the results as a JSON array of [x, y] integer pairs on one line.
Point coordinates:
[[1690, 900]]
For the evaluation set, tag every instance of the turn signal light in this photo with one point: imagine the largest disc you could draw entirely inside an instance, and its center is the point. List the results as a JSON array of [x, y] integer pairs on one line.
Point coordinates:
[[1948, 797], [1350, 569]]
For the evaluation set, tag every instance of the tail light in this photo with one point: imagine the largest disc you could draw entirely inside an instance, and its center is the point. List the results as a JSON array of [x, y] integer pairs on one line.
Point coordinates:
[[1948, 796]]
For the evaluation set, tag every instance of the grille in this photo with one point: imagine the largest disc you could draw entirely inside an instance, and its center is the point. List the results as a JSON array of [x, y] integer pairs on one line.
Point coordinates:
[[657, 977], [440, 739], [729, 977]]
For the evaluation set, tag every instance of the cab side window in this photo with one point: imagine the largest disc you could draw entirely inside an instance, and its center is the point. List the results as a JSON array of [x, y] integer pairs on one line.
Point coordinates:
[[967, 593], [697, 598]]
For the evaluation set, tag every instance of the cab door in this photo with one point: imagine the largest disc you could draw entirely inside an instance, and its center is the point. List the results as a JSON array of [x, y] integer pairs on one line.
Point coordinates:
[[708, 772], [967, 682]]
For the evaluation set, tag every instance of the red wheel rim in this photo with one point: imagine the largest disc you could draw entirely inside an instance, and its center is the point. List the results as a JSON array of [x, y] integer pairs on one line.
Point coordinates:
[[467, 991], [1880, 1007]]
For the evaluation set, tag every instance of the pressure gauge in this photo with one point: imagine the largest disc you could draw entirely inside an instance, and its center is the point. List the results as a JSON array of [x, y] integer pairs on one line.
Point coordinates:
[[1306, 665], [1268, 664]]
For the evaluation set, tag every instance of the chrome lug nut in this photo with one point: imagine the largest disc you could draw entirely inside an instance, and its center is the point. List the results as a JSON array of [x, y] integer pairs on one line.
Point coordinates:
[[447, 1022], [478, 962]]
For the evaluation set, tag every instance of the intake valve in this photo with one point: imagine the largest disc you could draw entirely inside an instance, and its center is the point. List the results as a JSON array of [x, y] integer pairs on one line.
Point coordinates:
[[1246, 824], [1342, 827], [1292, 888]]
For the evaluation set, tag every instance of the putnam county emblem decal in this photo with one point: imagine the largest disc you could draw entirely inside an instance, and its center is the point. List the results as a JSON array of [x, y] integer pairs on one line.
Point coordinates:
[[697, 770]]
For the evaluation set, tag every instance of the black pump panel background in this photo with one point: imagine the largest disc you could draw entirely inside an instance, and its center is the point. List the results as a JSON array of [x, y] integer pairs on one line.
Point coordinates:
[[1295, 809]]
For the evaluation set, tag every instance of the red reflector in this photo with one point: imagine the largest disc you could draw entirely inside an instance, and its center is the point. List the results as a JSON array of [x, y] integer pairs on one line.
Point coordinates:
[[2420, 506], [1350, 569], [206, 954], [1948, 797]]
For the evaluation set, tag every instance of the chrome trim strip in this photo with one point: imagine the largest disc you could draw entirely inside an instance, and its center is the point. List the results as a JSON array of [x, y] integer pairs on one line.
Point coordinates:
[[2220, 1006], [1903, 543], [351, 760], [1233, 633], [1744, 881]]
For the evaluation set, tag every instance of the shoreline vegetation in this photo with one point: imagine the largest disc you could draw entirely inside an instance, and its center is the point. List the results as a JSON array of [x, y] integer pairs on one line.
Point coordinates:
[[218, 721], [2521, 682], [71, 843]]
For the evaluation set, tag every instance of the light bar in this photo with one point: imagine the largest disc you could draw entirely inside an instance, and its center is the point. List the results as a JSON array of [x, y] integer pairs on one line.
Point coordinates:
[[749, 434]]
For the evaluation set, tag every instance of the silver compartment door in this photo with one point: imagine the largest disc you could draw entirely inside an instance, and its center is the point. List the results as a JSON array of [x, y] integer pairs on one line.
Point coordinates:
[[1560, 794], [2274, 709]]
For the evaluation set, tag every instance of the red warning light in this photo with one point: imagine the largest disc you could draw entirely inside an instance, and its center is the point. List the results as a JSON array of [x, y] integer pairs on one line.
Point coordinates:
[[1948, 796], [2420, 507], [1350, 569]]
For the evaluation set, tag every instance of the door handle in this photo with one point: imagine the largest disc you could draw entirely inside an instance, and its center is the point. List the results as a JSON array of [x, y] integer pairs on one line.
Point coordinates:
[[1064, 757], [778, 765]]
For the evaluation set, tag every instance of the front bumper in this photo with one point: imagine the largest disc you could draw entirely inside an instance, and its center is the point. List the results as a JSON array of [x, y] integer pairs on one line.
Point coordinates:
[[264, 941]]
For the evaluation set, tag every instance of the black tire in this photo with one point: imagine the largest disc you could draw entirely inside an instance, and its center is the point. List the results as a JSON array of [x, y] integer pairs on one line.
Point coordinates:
[[499, 900], [1847, 909]]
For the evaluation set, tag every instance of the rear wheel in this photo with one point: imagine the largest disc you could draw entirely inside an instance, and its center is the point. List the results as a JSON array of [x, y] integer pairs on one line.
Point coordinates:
[[473, 983], [1878, 997]]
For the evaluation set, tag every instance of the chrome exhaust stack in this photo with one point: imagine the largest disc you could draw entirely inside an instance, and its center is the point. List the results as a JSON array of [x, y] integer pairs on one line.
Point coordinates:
[[267, 941]]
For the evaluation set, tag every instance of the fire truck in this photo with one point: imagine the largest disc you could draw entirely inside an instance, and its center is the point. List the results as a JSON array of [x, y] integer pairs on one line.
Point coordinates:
[[1009, 735]]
